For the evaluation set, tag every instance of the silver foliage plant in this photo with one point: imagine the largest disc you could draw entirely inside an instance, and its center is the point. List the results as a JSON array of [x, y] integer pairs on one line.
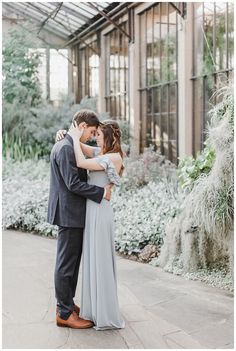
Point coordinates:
[[201, 236], [25, 196], [150, 166], [142, 214]]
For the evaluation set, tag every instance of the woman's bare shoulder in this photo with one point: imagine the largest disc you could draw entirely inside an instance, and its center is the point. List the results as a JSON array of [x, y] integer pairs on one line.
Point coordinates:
[[115, 156]]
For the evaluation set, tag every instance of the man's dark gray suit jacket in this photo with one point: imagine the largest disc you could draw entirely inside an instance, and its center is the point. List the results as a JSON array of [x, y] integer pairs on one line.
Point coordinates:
[[68, 187]]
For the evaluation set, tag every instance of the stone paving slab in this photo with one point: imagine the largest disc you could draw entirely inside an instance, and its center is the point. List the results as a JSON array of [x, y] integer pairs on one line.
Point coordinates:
[[161, 310]]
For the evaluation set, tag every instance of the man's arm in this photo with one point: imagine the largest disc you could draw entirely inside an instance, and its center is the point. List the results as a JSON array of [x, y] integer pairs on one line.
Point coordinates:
[[67, 165]]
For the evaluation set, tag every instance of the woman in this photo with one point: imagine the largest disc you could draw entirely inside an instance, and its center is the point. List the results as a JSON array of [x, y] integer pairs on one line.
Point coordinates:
[[99, 300]]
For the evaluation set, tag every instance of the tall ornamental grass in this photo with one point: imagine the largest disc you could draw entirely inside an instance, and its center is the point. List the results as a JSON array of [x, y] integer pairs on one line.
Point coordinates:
[[201, 235]]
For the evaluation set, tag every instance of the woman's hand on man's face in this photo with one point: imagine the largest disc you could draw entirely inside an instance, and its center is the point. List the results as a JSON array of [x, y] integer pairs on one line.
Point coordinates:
[[76, 131]]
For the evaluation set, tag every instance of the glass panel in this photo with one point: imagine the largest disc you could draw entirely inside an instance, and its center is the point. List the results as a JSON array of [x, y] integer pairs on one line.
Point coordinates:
[[172, 44], [143, 50], [93, 71], [122, 64], [221, 80], [108, 106], [164, 128], [231, 76], [156, 100], [86, 72], [117, 77], [231, 34], [58, 73], [166, 149], [156, 45], [117, 71], [143, 128], [149, 101], [113, 106], [164, 99], [122, 105], [197, 113], [107, 57], [173, 151], [112, 63], [217, 37], [149, 132], [220, 36], [164, 41], [149, 48], [172, 111], [42, 71], [198, 38], [118, 114], [172, 126], [157, 129], [208, 59], [209, 90], [82, 72], [173, 98], [160, 66]]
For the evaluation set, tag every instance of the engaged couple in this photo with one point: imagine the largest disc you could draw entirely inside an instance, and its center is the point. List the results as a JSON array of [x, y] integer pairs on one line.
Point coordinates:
[[81, 180]]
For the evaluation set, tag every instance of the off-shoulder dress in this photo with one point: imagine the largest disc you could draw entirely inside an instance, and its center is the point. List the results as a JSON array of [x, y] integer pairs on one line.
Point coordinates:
[[99, 299]]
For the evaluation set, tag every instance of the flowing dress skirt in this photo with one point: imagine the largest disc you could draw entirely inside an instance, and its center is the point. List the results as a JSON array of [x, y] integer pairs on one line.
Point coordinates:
[[99, 300]]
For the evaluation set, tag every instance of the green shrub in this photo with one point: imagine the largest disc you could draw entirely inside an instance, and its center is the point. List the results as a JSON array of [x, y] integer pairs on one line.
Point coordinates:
[[14, 148], [30, 133], [29, 122], [190, 168], [19, 67]]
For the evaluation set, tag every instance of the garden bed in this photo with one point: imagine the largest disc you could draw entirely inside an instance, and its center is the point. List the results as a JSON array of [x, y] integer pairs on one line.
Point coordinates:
[[141, 214]]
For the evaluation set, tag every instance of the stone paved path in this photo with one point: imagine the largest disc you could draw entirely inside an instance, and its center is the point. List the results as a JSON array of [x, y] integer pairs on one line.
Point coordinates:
[[161, 310]]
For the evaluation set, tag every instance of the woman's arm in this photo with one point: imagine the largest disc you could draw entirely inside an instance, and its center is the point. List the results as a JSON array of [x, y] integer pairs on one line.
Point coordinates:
[[87, 149], [81, 161]]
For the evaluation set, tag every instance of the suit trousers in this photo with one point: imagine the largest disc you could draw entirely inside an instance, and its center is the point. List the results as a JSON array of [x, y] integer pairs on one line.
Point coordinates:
[[69, 252]]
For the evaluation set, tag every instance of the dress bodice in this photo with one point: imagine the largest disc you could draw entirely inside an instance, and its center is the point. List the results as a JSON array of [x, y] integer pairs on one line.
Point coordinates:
[[98, 178]]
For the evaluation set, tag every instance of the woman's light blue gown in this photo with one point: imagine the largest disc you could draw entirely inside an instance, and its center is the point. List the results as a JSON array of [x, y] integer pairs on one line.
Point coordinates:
[[99, 300]]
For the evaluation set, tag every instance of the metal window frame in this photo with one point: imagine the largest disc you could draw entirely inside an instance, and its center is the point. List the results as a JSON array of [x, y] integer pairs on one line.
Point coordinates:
[[80, 16], [204, 77], [163, 85], [118, 36], [51, 28]]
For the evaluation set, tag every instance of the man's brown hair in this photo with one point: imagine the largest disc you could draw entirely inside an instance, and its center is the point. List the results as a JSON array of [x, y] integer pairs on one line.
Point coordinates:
[[87, 116]]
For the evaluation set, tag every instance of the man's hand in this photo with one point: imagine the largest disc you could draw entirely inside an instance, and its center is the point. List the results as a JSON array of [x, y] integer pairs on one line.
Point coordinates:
[[108, 191], [60, 134]]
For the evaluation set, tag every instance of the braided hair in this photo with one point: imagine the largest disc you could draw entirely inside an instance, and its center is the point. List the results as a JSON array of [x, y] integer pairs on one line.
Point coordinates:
[[112, 138]]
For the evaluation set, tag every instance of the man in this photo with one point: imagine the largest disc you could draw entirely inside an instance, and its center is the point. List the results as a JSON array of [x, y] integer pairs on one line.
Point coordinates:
[[66, 208]]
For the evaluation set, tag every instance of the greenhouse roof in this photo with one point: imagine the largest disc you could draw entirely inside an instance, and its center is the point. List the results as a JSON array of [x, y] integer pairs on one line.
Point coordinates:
[[65, 19]]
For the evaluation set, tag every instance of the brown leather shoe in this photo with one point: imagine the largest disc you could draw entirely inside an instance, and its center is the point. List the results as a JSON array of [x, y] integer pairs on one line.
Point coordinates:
[[74, 322], [76, 309]]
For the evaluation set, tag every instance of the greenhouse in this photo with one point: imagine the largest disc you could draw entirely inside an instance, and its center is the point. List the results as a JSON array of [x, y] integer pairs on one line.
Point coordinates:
[[152, 65], [141, 97]]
